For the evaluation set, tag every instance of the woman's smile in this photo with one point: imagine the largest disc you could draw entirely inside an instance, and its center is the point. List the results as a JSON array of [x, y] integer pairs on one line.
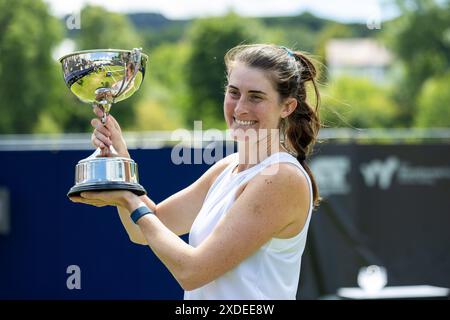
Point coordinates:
[[244, 123]]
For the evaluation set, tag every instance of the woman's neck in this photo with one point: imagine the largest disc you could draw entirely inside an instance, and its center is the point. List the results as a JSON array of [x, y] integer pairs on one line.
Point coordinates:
[[250, 154]]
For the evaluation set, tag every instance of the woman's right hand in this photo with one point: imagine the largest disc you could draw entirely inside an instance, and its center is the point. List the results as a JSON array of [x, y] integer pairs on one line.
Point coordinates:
[[106, 135]]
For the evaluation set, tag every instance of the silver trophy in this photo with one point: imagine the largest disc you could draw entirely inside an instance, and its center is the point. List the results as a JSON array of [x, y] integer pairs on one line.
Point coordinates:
[[103, 77]]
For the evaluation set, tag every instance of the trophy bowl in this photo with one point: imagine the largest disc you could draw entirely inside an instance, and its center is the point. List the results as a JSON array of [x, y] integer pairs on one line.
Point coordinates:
[[103, 77]]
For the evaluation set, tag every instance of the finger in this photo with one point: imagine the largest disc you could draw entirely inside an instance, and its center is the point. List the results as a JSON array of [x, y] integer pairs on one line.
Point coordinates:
[[75, 199], [113, 122], [97, 143], [100, 136], [105, 152], [93, 203], [97, 124], [97, 111], [97, 203], [90, 195]]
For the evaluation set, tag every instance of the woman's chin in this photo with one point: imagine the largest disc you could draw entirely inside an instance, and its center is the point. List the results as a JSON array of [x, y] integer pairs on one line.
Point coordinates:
[[244, 133]]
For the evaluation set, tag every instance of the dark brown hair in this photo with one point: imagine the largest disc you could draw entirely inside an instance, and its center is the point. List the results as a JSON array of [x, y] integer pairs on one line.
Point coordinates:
[[289, 71]]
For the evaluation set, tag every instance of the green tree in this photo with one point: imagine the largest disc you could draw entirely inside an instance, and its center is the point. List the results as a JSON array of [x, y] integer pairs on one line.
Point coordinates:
[[27, 71], [357, 102], [104, 29], [421, 40], [165, 94], [434, 103], [205, 70]]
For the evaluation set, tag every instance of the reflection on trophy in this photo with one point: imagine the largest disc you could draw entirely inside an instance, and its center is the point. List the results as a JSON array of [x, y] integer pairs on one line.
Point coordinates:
[[103, 77]]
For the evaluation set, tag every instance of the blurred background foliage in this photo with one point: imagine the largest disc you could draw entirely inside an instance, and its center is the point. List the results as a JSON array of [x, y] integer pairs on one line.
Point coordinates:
[[186, 75], [357, 102]]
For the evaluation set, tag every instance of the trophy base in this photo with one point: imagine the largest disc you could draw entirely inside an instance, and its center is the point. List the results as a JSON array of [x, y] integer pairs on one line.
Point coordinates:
[[106, 174], [137, 189]]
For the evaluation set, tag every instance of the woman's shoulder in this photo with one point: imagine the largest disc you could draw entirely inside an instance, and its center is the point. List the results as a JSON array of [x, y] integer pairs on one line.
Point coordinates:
[[216, 169], [284, 171], [286, 176], [281, 190], [283, 165]]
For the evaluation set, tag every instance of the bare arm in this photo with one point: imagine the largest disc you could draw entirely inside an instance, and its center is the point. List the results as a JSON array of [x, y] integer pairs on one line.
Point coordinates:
[[179, 211], [267, 207]]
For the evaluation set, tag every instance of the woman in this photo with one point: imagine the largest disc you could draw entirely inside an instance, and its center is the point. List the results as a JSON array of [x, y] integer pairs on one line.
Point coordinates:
[[248, 215]]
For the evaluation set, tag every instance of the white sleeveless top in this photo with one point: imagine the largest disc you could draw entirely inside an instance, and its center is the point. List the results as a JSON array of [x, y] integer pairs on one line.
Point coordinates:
[[273, 271]]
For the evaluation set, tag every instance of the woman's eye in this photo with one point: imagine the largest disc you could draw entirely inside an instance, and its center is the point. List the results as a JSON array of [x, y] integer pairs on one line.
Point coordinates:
[[255, 98], [233, 93]]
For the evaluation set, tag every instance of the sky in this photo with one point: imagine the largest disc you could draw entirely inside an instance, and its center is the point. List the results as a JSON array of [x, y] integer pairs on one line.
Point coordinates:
[[341, 10]]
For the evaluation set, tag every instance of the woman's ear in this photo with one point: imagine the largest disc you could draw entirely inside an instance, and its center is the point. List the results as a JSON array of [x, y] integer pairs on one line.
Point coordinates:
[[288, 107]]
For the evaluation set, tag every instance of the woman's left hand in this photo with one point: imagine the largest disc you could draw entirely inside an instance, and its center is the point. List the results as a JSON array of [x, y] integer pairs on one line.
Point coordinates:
[[121, 198]]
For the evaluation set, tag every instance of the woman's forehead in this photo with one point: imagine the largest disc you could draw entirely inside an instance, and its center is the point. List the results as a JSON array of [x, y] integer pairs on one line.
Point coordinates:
[[247, 78]]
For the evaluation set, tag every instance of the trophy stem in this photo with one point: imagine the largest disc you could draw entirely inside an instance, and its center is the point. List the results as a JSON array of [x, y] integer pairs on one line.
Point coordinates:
[[105, 107], [103, 99]]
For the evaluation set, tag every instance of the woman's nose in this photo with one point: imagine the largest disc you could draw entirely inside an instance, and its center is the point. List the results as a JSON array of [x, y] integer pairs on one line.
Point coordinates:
[[241, 106]]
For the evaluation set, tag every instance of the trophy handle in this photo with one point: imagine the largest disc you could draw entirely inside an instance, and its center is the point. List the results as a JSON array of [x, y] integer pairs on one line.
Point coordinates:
[[131, 67]]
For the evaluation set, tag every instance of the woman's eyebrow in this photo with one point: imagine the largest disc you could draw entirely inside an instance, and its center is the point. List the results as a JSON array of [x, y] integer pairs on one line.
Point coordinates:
[[257, 91], [250, 91]]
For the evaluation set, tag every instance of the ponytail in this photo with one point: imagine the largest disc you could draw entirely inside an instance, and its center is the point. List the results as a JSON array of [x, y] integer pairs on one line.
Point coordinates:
[[303, 124]]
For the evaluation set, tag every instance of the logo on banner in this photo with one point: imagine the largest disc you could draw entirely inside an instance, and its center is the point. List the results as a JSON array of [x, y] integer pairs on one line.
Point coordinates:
[[331, 173], [381, 173]]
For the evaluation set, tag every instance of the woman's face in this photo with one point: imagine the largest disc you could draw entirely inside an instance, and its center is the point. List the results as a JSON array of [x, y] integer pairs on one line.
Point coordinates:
[[251, 101]]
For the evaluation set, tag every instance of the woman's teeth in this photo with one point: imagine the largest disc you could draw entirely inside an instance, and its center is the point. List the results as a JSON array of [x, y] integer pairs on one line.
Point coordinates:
[[244, 123]]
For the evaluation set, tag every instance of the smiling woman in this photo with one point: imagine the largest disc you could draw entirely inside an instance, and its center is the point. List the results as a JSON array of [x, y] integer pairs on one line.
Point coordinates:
[[268, 83], [248, 215]]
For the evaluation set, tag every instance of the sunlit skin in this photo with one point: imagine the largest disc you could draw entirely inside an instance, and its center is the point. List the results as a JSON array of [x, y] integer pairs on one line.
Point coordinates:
[[272, 204]]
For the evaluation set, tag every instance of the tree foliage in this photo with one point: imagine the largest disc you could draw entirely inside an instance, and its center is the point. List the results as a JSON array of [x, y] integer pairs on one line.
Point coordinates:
[[205, 69], [186, 74], [27, 71], [165, 94], [434, 103], [420, 37], [355, 102], [104, 29]]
